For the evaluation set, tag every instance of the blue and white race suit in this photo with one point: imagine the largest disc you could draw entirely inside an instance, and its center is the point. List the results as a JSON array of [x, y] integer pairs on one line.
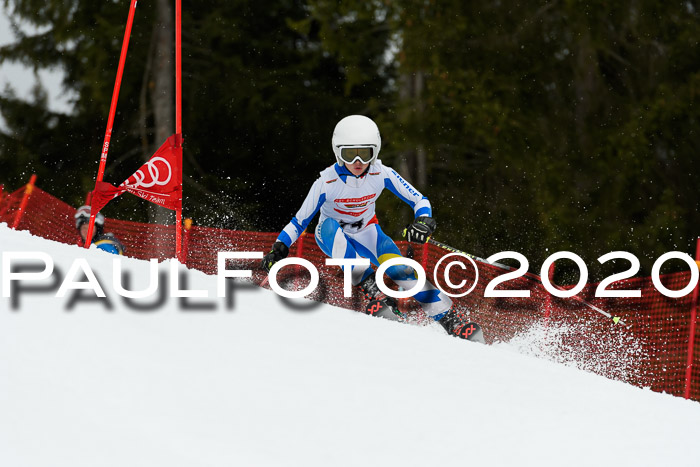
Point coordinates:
[[348, 226]]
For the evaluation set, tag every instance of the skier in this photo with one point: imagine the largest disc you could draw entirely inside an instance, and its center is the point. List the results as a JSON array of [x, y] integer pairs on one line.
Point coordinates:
[[345, 194], [103, 241]]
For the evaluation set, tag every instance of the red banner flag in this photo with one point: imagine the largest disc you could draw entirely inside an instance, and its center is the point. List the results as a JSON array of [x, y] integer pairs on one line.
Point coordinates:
[[159, 180]]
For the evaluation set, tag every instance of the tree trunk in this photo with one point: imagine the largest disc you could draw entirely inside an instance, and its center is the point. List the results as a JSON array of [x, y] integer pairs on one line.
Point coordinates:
[[163, 91], [413, 166], [587, 85]]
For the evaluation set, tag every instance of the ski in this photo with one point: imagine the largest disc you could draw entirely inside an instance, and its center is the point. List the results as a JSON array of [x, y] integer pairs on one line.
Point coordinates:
[[470, 331], [383, 309]]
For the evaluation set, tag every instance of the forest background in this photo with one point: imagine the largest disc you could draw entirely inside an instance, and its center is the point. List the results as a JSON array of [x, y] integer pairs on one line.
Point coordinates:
[[531, 126]]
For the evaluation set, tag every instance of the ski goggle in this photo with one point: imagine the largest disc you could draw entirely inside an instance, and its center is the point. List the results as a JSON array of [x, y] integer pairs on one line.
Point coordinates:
[[82, 216], [350, 155]]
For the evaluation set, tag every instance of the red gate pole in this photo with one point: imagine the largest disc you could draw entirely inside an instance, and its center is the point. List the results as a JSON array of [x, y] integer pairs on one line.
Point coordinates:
[[178, 124], [693, 321], [112, 111], [25, 198]]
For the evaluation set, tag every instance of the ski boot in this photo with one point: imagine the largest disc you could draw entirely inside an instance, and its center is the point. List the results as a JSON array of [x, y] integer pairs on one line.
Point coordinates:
[[456, 327], [380, 304]]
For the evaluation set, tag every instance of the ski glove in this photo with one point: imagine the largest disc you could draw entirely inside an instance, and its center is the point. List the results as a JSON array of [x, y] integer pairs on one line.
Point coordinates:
[[420, 230], [278, 252]]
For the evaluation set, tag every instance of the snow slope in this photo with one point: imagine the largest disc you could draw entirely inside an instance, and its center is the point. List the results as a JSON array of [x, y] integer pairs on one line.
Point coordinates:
[[268, 384]]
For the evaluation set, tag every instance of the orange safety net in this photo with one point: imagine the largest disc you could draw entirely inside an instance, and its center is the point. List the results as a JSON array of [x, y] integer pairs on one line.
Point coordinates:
[[652, 352]]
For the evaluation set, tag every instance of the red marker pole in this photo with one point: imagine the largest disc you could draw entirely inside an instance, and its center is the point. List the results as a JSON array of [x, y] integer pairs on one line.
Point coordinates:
[[112, 112], [25, 199], [178, 124]]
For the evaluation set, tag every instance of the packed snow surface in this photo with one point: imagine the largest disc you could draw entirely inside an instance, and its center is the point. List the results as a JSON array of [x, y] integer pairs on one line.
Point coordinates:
[[259, 381]]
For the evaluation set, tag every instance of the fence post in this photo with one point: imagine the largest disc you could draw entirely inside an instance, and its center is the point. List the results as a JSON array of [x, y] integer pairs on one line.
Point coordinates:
[[548, 307], [548, 297], [424, 257], [6, 207], [691, 332], [299, 254], [185, 241], [23, 205]]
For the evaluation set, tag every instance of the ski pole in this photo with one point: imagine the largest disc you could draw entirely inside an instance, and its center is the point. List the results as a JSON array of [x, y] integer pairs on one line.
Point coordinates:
[[615, 319], [475, 258]]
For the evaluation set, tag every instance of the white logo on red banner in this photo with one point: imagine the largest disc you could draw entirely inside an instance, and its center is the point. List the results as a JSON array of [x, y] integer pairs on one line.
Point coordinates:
[[156, 166]]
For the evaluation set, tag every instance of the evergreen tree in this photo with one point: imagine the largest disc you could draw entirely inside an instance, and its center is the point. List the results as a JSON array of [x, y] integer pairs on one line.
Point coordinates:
[[260, 98], [563, 126]]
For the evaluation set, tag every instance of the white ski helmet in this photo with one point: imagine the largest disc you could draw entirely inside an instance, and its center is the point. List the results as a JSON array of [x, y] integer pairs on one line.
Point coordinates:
[[356, 131], [82, 215]]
